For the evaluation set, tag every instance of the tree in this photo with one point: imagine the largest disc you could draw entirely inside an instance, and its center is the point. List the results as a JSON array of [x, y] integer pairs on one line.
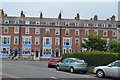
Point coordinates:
[[95, 43], [114, 46]]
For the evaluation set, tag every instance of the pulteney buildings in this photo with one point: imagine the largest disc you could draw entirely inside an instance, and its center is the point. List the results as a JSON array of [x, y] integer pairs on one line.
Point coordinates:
[[49, 36]]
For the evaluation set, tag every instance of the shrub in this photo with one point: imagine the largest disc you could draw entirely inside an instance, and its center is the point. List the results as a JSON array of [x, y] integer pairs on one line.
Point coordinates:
[[94, 58]]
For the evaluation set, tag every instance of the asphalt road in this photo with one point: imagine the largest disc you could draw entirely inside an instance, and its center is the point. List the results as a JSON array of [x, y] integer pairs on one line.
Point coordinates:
[[37, 69]]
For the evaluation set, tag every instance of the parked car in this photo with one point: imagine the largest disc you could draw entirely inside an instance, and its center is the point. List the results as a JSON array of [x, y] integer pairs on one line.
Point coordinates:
[[111, 70], [73, 65], [53, 61]]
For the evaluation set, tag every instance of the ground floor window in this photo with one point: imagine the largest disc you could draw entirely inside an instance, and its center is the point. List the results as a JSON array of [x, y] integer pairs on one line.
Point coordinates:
[[47, 51], [26, 50], [67, 50], [5, 50]]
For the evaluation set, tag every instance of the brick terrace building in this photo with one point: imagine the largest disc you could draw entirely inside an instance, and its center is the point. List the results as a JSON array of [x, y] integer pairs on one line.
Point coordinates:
[[49, 36]]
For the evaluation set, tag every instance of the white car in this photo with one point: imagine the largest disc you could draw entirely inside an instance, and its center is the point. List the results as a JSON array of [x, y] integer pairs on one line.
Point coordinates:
[[111, 70]]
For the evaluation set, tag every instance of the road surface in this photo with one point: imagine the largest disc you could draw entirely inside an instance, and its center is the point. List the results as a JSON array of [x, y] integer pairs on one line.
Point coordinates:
[[37, 69]]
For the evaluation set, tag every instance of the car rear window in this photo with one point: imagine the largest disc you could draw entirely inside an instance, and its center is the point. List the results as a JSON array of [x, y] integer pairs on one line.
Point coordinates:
[[54, 58], [81, 61]]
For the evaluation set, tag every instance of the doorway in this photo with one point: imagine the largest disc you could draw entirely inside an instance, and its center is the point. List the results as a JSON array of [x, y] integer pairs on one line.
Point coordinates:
[[57, 52]]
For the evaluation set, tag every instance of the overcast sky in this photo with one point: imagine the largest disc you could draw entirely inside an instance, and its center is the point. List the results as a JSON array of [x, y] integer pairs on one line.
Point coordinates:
[[69, 9]]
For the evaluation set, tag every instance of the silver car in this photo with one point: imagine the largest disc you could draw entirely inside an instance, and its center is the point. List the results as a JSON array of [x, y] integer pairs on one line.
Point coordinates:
[[111, 70]]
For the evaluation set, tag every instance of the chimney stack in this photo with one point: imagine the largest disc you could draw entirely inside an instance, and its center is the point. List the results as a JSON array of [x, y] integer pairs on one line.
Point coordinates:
[[95, 17], [22, 15], [77, 17], [1, 13], [112, 18], [41, 15], [60, 15]]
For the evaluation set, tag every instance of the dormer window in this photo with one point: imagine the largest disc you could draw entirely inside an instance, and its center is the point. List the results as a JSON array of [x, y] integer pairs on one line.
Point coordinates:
[[66, 24], [16, 22], [27, 22], [37, 22], [43, 23], [6, 21], [72, 24]]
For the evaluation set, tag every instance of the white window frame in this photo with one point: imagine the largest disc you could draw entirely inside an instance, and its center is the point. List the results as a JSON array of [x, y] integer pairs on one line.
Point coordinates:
[[57, 31], [16, 32], [76, 42], [44, 49], [7, 30], [87, 32], [8, 39], [67, 31], [114, 32], [106, 33], [37, 22], [47, 30], [27, 22], [28, 38], [37, 31], [76, 32], [44, 40], [24, 49], [17, 40], [6, 22], [64, 41], [7, 49], [37, 40], [65, 50], [27, 30], [57, 41]]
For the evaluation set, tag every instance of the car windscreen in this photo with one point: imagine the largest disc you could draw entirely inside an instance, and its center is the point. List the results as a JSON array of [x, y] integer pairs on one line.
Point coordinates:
[[54, 58]]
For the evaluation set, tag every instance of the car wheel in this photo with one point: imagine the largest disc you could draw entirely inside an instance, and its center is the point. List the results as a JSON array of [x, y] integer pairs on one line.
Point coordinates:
[[48, 66], [72, 70], [100, 74], [57, 67]]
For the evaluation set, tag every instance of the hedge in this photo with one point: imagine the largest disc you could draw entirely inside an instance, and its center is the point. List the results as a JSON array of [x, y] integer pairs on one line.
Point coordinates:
[[94, 58]]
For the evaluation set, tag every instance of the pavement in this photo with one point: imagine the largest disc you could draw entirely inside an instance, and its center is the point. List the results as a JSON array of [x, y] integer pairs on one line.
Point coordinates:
[[38, 70]]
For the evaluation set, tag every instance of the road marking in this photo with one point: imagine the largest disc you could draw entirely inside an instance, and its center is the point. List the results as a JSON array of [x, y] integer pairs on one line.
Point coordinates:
[[11, 76]]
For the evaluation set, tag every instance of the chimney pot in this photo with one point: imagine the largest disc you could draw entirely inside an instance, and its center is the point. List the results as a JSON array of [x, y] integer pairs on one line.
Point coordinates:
[[60, 15], [41, 15], [91, 19]]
